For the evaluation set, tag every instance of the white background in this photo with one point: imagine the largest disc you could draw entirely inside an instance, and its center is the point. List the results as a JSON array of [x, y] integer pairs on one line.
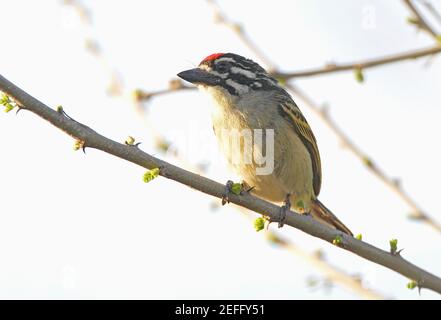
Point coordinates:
[[86, 226]]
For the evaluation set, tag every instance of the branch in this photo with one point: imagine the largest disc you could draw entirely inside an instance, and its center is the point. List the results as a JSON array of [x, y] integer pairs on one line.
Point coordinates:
[[360, 65], [92, 139], [333, 273], [421, 21], [432, 10], [221, 18]]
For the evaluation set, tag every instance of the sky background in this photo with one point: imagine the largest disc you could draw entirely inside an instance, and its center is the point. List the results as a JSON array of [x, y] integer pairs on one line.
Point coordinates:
[[86, 226]]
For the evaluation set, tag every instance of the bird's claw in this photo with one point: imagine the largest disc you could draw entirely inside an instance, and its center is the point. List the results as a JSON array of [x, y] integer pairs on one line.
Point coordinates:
[[225, 196], [282, 211]]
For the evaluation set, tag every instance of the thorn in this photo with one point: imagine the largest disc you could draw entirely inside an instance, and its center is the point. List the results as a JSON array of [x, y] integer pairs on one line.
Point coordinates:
[[61, 111], [84, 148]]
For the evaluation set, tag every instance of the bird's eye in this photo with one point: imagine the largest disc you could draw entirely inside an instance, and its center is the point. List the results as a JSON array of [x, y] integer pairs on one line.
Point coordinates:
[[222, 67]]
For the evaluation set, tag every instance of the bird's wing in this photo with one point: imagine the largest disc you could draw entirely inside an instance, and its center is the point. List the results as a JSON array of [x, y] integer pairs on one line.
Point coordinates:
[[290, 111]]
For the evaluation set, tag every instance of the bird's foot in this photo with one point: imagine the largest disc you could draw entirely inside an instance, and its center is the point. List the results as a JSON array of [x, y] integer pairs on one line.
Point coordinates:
[[283, 210], [227, 192]]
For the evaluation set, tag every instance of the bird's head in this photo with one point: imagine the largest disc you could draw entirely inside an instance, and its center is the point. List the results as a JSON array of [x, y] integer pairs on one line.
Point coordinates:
[[229, 74]]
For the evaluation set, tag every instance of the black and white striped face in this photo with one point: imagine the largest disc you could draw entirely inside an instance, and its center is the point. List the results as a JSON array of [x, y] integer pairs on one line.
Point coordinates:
[[232, 72]]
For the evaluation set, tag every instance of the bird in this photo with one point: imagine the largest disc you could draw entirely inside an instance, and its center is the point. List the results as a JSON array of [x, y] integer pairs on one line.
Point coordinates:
[[248, 100]]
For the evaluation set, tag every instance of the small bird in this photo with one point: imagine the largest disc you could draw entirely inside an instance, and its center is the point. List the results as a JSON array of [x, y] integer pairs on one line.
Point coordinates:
[[248, 99]]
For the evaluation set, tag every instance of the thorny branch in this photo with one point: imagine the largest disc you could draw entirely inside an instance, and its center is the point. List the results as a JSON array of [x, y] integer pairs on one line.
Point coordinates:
[[92, 139], [432, 10]]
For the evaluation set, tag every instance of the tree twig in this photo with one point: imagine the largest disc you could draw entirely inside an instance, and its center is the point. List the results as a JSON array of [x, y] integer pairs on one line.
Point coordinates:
[[421, 21], [432, 10], [360, 65], [92, 139], [220, 17], [333, 273]]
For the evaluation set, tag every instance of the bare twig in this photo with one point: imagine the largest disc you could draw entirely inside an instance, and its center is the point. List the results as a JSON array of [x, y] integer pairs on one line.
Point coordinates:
[[432, 10], [221, 18], [115, 85], [143, 95], [333, 273], [360, 65], [421, 21], [92, 139]]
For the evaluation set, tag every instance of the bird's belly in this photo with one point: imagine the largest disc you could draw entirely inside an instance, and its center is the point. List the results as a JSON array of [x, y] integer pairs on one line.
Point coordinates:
[[289, 170]]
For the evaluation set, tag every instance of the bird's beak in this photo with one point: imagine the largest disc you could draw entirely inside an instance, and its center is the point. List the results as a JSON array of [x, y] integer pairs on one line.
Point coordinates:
[[199, 76]]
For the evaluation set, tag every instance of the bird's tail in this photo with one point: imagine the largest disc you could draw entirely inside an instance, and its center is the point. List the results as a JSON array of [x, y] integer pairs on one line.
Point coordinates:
[[324, 215]]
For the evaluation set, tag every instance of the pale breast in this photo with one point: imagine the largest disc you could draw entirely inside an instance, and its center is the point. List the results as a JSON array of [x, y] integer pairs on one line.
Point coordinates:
[[292, 168]]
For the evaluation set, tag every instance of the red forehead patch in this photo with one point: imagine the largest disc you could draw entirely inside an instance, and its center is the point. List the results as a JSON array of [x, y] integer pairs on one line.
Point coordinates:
[[212, 57]]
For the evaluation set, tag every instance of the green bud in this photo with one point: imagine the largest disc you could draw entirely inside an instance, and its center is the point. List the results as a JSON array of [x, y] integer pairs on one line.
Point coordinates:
[[259, 224], [359, 237], [4, 99], [368, 162], [150, 175], [162, 145], [359, 75], [236, 188], [8, 107], [393, 246], [438, 38], [60, 109], [413, 20], [78, 145], [7, 102], [337, 240], [282, 81], [136, 95], [412, 285], [130, 141]]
